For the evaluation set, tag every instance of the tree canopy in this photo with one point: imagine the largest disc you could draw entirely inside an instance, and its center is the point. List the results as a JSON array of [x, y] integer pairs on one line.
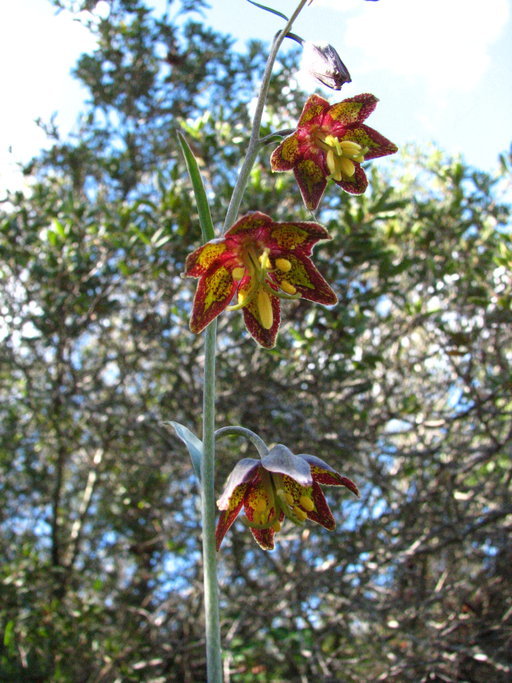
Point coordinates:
[[405, 387]]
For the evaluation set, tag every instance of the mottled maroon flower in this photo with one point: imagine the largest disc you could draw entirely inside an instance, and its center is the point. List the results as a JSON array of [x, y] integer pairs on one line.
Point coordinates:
[[260, 262], [331, 141], [279, 485]]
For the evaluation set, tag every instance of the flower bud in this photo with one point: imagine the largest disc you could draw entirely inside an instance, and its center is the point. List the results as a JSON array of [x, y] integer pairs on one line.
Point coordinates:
[[321, 61]]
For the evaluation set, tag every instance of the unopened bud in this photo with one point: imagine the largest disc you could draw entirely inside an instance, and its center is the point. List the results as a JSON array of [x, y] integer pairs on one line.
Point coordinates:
[[322, 62]]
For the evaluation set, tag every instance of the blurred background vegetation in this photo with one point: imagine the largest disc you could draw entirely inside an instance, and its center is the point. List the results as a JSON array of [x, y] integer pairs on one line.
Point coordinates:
[[405, 386]]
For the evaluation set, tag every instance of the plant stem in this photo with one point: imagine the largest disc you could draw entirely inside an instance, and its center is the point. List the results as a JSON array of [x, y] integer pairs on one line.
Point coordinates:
[[254, 141], [257, 441], [211, 595]]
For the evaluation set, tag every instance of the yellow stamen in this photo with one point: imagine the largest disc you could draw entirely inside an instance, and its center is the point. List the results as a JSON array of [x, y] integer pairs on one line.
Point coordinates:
[[300, 514], [331, 164], [341, 155], [276, 525], [283, 265], [265, 261], [350, 148], [237, 273], [347, 167], [264, 309], [307, 503], [333, 142], [287, 287], [289, 498]]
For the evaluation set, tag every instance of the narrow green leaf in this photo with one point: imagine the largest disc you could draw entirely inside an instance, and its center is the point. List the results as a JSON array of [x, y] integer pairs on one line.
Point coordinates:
[[203, 208], [269, 9], [143, 238], [193, 444], [9, 636]]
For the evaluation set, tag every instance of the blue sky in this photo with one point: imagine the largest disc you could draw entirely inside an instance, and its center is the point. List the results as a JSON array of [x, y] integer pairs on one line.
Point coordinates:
[[442, 69]]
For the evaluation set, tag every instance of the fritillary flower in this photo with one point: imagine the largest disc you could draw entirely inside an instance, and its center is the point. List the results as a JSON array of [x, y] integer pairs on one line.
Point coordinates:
[[279, 485], [259, 262], [331, 142]]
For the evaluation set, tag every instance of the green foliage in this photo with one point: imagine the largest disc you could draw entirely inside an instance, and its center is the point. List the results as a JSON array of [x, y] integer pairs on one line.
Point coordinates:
[[405, 386]]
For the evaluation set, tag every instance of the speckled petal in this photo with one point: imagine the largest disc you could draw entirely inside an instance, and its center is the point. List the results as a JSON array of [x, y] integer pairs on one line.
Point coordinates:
[[200, 260], [315, 106], [251, 222], [264, 537], [264, 337], [311, 181], [307, 280], [291, 237], [325, 474], [243, 472], [375, 143], [284, 157], [354, 109], [355, 185], [214, 292], [228, 516], [322, 513]]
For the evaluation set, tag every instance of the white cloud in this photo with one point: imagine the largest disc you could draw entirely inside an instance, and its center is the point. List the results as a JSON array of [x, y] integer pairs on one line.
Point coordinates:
[[445, 42]]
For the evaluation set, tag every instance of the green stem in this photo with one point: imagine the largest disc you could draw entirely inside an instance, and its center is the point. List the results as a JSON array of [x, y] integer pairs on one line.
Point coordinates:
[[211, 596], [257, 441], [254, 141]]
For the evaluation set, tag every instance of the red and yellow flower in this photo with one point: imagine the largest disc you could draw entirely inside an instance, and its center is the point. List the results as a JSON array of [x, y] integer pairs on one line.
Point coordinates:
[[260, 262], [331, 141], [279, 485]]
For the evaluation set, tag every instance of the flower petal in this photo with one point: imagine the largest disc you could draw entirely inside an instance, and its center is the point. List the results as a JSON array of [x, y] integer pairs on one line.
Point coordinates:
[[296, 236], [259, 505], [228, 516], [252, 222], [325, 474], [322, 513], [307, 280], [264, 537], [353, 110], [315, 106], [283, 158], [281, 460], [357, 184], [214, 292], [375, 143], [265, 337], [311, 181], [243, 472], [200, 260]]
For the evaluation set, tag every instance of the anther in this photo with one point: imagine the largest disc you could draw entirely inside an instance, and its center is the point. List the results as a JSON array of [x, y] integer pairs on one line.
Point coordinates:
[[283, 265], [347, 167], [350, 148], [307, 503], [265, 261], [299, 513], [332, 165], [287, 287], [265, 309]]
